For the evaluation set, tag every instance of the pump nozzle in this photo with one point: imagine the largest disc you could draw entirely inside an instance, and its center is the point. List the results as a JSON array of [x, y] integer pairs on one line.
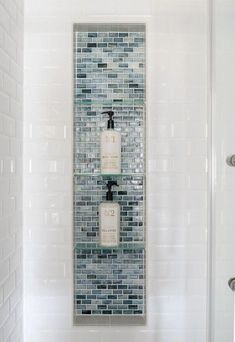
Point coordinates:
[[110, 120], [109, 193]]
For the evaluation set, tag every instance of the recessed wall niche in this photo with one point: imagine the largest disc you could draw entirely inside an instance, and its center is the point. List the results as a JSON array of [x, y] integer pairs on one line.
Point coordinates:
[[109, 74]]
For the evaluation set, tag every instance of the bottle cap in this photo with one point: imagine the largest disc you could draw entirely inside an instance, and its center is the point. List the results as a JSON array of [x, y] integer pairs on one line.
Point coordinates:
[[110, 124], [109, 193]]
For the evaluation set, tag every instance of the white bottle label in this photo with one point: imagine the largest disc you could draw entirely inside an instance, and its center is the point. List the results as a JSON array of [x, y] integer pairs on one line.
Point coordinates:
[[110, 152], [109, 224]]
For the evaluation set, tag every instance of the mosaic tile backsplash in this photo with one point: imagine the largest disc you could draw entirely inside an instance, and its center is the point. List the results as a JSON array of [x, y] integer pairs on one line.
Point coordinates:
[[109, 74]]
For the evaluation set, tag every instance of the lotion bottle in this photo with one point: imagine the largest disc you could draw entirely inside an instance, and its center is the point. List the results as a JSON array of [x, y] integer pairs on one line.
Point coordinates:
[[110, 148], [109, 219]]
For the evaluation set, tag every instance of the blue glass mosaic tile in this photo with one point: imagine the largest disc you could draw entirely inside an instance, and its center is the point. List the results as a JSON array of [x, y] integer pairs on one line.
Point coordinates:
[[90, 191], [109, 282], [109, 73]]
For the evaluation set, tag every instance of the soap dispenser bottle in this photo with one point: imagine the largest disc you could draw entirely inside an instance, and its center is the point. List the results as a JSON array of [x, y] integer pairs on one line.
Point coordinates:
[[109, 219], [110, 148]]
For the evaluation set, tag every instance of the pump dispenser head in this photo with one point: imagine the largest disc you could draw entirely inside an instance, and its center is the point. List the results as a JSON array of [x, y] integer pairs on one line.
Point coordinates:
[[110, 124], [109, 193]]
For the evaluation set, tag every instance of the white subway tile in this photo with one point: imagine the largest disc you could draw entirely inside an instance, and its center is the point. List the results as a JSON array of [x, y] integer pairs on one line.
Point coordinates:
[[4, 269], [4, 145], [4, 101], [4, 18], [46, 270], [46, 131], [49, 287], [52, 236], [10, 46], [4, 312], [9, 326], [16, 297], [10, 86], [9, 286], [42, 251], [44, 166], [50, 58], [15, 260]]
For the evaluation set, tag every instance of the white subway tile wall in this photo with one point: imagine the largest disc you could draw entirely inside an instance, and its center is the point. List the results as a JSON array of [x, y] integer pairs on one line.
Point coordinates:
[[177, 168], [11, 71]]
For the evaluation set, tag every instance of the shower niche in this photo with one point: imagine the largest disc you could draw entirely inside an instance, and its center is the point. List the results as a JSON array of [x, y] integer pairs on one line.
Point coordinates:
[[109, 74]]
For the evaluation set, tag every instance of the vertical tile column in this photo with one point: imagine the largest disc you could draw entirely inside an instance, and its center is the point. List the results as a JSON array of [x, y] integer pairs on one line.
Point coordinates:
[[109, 73]]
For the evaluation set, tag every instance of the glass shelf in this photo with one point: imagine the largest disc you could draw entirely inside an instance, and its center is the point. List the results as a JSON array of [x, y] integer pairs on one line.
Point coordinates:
[[110, 103], [108, 175], [122, 246]]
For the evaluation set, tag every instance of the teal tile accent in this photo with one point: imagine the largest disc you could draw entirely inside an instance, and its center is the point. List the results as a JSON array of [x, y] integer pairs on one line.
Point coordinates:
[[109, 73]]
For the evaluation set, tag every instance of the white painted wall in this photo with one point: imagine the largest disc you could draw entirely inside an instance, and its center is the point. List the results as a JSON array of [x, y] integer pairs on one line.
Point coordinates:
[[177, 179], [11, 116]]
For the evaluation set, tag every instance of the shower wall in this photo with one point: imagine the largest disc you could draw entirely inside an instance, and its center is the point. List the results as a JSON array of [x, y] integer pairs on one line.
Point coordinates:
[[224, 176], [11, 70], [176, 168]]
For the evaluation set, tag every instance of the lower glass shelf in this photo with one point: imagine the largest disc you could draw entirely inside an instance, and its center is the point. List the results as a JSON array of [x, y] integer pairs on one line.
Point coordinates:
[[134, 174], [131, 246]]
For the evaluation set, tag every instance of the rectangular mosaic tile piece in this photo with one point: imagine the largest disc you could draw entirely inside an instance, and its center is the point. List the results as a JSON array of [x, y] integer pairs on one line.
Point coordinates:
[[109, 74]]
